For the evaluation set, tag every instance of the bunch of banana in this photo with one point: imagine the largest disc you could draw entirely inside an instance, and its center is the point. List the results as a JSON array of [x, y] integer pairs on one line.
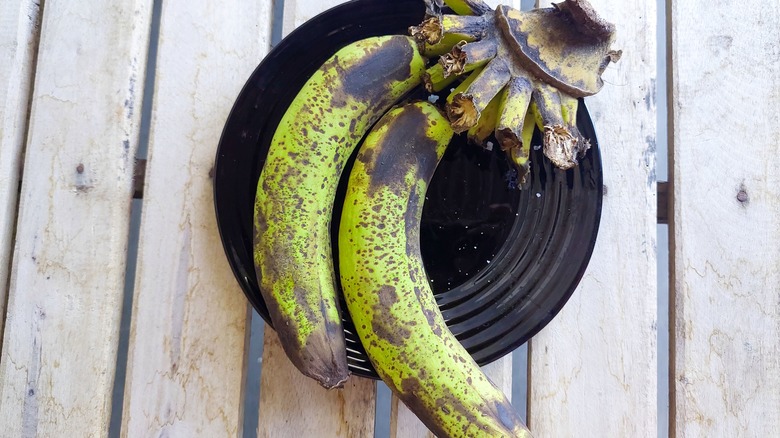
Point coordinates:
[[539, 62], [517, 70], [386, 288]]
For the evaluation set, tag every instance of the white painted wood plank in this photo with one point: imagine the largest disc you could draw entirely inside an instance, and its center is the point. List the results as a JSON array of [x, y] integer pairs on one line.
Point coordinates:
[[726, 225], [293, 405], [189, 327], [286, 396], [593, 369], [404, 424], [19, 30], [59, 354], [297, 12]]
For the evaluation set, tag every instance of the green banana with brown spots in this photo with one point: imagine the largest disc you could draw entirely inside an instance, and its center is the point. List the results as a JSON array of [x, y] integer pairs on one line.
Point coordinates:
[[297, 187], [387, 291]]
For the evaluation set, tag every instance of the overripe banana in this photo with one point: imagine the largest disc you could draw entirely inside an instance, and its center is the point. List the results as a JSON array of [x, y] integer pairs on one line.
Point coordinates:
[[387, 290], [296, 190]]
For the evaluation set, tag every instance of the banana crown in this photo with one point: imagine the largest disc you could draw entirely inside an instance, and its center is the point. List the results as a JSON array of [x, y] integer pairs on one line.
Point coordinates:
[[515, 62]]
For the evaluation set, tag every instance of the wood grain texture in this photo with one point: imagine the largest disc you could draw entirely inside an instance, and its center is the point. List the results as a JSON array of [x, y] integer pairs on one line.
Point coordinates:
[[189, 325], [404, 424], [297, 12], [19, 30], [67, 278], [293, 405], [726, 223], [593, 368]]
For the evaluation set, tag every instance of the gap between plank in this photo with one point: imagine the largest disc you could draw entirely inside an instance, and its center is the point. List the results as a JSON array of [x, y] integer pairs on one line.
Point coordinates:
[[670, 147], [139, 177], [663, 202]]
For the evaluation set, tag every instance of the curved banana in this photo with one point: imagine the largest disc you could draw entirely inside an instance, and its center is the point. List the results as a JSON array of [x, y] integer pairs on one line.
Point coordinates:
[[297, 187], [387, 291]]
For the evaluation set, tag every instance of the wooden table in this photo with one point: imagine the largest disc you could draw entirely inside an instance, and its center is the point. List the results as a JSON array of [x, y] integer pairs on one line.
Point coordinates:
[[72, 101]]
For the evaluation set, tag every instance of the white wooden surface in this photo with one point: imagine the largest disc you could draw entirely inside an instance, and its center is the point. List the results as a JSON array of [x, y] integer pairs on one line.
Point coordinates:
[[59, 353], [19, 30], [726, 218], [593, 368], [189, 328]]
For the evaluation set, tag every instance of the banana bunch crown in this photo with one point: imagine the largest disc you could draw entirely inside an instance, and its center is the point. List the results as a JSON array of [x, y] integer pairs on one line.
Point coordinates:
[[515, 62]]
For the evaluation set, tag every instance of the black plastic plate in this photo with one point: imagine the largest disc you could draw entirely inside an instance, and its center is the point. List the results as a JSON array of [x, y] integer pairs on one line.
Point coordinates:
[[502, 261]]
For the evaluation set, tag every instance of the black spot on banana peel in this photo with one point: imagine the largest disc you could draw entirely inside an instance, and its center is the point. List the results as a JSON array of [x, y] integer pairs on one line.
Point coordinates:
[[296, 190], [407, 131], [386, 288]]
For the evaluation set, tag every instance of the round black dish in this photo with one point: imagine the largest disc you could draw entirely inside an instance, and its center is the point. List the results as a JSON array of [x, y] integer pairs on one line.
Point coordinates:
[[502, 262]]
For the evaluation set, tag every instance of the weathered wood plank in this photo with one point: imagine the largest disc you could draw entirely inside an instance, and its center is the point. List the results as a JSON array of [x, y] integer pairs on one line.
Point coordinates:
[[67, 278], [19, 30], [286, 395], [297, 12], [726, 223], [293, 405], [189, 325], [593, 369]]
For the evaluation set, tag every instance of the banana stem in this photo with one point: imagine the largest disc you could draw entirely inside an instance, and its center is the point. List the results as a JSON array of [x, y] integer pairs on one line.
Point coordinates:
[[444, 46], [569, 106], [465, 57], [463, 86], [466, 107], [521, 157], [509, 131], [561, 145], [475, 26], [432, 30], [435, 80], [487, 121]]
